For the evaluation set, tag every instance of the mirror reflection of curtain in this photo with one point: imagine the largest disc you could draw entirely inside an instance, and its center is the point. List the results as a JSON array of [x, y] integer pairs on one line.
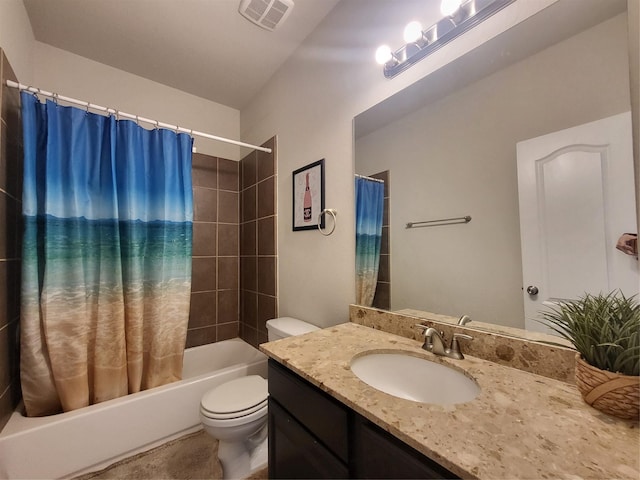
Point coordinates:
[[369, 212], [108, 211]]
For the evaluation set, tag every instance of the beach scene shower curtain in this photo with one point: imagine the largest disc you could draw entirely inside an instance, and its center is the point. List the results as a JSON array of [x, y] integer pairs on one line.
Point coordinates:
[[369, 210], [106, 282]]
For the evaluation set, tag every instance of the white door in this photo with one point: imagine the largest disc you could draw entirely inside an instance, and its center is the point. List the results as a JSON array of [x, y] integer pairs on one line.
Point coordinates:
[[576, 190]]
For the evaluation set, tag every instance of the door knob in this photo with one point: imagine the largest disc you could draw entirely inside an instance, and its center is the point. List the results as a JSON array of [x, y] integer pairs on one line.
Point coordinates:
[[532, 290]]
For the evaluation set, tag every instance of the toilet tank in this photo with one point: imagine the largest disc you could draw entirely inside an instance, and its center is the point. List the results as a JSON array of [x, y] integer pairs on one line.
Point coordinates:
[[287, 327]]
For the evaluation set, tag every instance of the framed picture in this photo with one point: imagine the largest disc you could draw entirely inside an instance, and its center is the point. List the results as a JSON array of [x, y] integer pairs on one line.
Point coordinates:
[[308, 196]]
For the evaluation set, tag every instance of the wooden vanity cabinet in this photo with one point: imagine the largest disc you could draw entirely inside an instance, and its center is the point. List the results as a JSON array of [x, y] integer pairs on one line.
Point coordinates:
[[312, 435]]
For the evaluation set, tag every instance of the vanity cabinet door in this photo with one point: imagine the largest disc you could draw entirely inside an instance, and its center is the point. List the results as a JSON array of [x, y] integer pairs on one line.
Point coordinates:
[[378, 454], [322, 415], [295, 453]]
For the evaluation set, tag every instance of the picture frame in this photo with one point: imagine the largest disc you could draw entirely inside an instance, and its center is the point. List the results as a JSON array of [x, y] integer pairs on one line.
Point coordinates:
[[308, 196]]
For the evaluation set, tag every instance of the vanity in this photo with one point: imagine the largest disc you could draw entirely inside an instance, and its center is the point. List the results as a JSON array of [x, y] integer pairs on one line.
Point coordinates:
[[314, 436], [324, 422]]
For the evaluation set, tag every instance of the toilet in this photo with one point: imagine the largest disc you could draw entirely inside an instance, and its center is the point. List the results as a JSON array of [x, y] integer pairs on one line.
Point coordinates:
[[235, 412]]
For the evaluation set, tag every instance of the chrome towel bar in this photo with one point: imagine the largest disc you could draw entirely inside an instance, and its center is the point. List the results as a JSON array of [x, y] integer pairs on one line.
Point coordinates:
[[437, 223]]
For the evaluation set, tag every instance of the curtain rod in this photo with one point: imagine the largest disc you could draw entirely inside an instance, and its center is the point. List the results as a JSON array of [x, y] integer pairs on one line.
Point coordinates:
[[137, 118], [369, 178]]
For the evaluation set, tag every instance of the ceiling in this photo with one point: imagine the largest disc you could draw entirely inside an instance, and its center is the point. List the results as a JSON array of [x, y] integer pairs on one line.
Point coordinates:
[[203, 47]]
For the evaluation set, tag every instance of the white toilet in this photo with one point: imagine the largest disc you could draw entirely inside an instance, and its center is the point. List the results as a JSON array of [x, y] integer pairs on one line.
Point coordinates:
[[235, 412]]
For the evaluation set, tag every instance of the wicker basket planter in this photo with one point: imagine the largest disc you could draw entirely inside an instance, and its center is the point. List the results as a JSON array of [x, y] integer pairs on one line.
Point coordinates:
[[611, 393]]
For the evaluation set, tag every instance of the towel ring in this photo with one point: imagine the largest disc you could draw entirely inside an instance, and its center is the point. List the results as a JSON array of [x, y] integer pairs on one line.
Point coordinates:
[[333, 213]]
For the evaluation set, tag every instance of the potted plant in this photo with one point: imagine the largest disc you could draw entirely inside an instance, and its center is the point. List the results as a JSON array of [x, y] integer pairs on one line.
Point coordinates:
[[605, 331]]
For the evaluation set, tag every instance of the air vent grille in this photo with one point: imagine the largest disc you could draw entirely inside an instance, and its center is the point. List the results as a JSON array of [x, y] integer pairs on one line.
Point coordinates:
[[267, 14]]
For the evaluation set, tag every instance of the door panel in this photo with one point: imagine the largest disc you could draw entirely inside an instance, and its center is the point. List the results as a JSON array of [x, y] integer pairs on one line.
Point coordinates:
[[577, 197]]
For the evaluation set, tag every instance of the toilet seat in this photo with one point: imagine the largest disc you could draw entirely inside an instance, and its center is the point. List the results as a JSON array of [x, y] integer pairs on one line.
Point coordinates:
[[242, 397]]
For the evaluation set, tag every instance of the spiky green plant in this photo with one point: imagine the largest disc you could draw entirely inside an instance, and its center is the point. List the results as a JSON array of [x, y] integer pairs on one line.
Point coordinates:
[[604, 329]]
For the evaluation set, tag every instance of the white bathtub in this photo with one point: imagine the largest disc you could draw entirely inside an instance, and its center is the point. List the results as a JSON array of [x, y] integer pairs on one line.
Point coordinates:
[[91, 438]]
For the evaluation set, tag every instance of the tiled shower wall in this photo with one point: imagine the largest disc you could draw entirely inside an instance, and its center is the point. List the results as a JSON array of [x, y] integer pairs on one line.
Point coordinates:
[[215, 264], [258, 241], [10, 243], [382, 298]]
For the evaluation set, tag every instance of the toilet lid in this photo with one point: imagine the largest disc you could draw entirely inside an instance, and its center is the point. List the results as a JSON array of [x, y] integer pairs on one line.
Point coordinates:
[[260, 408], [235, 396]]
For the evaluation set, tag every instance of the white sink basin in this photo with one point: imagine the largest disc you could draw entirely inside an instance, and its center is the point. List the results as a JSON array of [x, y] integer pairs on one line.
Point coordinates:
[[414, 378]]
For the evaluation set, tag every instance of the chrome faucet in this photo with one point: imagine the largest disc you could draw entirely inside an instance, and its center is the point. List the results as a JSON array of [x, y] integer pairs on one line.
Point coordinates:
[[434, 343], [464, 319]]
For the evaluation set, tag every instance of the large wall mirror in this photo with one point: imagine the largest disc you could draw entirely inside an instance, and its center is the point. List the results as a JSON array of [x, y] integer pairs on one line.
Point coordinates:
[[450, 147]]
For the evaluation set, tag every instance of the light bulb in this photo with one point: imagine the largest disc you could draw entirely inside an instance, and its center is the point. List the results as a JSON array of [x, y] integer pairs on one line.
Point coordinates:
[[383, 54], [412, 32], [449, 7]]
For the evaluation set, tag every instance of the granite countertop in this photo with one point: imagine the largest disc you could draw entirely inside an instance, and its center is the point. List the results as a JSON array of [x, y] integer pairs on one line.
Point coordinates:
[[521, 425]]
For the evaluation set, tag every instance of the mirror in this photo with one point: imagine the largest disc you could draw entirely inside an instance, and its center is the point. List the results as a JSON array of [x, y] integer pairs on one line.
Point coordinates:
[[448, 146]]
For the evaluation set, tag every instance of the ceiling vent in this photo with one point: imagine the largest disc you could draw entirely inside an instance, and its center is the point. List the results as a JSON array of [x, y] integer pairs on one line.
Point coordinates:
[[267, 14]]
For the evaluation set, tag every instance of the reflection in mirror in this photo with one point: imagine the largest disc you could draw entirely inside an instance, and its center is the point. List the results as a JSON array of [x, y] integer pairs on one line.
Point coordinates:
[[454, 154]]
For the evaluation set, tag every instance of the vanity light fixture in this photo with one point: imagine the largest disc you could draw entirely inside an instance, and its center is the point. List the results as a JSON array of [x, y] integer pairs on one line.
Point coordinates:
[[459, 16]]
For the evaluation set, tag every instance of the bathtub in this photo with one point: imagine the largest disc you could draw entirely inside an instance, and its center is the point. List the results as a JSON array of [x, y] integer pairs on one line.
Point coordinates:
[[93, 437]]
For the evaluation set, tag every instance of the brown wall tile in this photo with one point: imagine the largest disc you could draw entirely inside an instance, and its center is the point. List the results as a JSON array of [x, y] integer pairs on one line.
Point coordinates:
[[228, 175], [228, 274], [383, 271], [3, 218], [249, 170], [205, 204], [201, 336], [228, 306], [203, 309], [5, 307], [267, 275], [249, 273], [3, 156], [266, 198], [266, 161], [248, 334], [384, 244], [228, 206], [248, 245], [249, 308], [204, 239], [227, 331], [5, 358], [204, 172], [267, 309], [267, 236], [203, 274], [248, 204], [228, 239], [382, 298]]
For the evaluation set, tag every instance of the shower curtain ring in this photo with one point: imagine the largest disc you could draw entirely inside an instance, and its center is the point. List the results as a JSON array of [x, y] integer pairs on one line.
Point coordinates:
[[33, 91]]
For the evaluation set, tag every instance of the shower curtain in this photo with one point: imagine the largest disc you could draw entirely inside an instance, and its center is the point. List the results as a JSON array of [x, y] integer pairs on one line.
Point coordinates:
[[108, 211], [369, 209]]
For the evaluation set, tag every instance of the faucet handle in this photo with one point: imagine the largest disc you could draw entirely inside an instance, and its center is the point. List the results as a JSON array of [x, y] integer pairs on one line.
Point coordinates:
[[455, 346], [423, 327], [462, 335]]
